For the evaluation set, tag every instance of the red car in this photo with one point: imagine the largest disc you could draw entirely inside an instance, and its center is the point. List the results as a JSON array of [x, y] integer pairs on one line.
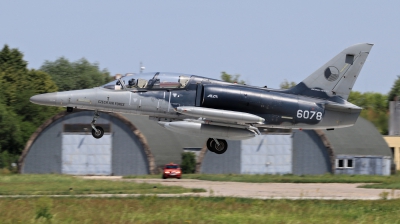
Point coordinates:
[[172, 170]]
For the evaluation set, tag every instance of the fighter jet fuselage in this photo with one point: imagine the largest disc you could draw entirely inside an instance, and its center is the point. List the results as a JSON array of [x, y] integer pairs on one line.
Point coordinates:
[[196, 105]]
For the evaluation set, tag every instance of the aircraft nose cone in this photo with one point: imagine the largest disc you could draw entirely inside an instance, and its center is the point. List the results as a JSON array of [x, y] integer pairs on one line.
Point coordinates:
[[44, 99]]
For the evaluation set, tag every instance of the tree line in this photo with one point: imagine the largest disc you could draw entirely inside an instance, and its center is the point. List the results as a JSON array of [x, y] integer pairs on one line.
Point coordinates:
[[19, 118]]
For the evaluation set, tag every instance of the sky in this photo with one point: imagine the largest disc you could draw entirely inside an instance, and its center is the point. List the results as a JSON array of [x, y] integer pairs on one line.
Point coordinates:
[[264, 41]]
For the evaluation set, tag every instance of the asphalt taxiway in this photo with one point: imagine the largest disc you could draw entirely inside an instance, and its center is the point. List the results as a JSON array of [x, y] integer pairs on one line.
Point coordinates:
[[323, 191]]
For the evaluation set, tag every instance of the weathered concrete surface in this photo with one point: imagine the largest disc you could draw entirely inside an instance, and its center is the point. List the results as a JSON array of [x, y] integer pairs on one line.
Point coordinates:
[[332, 191]]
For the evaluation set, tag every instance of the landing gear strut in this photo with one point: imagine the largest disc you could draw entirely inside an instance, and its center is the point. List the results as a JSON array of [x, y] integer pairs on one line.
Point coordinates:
[[218, 146], [97, 131]]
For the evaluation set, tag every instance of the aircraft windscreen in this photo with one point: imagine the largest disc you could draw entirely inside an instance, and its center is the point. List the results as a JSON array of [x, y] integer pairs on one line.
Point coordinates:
[[150, 81]]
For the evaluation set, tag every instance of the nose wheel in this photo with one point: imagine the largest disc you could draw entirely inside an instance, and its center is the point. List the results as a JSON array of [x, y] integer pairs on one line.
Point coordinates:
[[218, 146], [97, 131]]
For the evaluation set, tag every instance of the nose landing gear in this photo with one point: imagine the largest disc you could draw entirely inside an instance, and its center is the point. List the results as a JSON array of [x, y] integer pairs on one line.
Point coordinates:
[[97, 131], [218, 146]]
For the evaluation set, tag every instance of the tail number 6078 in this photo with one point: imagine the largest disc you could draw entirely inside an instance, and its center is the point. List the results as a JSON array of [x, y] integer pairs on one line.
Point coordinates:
[[307, 114]]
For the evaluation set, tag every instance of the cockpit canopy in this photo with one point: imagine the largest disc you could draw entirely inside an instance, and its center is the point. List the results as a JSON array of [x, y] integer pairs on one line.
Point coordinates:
[[150, 81]]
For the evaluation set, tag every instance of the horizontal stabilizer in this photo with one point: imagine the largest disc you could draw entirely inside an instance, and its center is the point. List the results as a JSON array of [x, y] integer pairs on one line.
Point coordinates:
[[345, 108]]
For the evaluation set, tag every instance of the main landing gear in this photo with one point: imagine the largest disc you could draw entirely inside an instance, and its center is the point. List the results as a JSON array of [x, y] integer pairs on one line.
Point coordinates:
[[97, 131], [218, 146]]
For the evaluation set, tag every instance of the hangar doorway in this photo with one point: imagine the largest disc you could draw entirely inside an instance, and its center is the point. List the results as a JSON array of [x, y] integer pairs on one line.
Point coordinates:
[[271, 154], [263, 154], [84, 155]]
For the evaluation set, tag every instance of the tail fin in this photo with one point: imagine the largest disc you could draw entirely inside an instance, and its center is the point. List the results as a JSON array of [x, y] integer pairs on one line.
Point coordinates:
[[337, 76]]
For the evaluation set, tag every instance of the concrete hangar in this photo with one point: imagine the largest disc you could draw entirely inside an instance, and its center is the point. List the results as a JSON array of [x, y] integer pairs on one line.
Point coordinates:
[[131, 145], [134, 145], [359, 149]]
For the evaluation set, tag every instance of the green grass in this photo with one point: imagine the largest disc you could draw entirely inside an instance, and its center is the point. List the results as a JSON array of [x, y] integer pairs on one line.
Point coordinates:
[[195, 210], [17, 184], [268, 178], [390, 184]]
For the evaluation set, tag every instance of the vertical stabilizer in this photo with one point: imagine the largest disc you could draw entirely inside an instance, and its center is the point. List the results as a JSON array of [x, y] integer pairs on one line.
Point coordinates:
[[337, 76]]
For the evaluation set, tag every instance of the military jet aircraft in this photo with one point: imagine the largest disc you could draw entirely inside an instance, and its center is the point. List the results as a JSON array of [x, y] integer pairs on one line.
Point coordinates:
[[195, 105]]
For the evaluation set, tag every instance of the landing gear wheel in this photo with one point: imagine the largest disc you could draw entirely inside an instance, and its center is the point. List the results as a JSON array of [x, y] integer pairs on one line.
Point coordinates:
[[99, 133], [209, 144], [214, 147], [221, 148]]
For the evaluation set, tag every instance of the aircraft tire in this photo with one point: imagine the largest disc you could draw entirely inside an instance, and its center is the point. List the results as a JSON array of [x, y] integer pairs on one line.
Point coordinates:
[[209, 144], [99, 134], [221, 148]]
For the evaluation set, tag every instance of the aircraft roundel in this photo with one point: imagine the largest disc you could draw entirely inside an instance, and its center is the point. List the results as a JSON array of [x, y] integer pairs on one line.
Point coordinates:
[[331, 73]]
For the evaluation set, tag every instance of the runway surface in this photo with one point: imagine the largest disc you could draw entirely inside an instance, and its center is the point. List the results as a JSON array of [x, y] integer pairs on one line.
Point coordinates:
[[330, 191]]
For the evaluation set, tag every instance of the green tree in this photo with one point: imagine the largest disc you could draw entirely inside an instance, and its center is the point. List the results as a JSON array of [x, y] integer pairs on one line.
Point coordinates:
[[287, 85], [231, 78], [188, 164], [75, 75], [12, 59], [18, 117], [10, 131], [375, 108], [395, 91]]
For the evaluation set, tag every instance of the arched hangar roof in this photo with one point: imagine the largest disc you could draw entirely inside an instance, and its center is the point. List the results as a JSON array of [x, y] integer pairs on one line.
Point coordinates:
[[167, 146], [360, 139], [65, 115]]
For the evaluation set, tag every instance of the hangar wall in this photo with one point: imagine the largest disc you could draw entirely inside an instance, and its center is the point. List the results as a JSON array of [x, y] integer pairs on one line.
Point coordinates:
[[128, 152], [262, 154], [166, 146], [359, 149], [309, 154], [44, 154], [363, 165], [229, 162]]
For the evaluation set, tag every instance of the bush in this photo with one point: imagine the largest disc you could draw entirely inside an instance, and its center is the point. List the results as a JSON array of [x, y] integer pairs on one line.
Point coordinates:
[[6, 161], [188, 162]]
